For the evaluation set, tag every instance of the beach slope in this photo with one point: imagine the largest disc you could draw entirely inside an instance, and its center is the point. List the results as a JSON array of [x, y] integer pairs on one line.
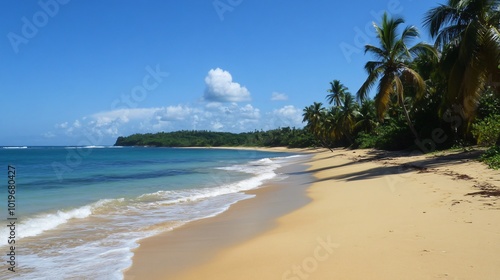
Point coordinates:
[[376, 216]]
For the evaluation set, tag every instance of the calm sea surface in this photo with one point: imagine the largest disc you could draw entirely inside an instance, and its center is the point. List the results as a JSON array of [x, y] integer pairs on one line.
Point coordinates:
[[81, 210]]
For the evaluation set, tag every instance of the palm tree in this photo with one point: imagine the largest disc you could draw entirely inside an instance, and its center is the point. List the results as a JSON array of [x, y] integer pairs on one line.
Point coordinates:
[[339, 121], [367, 116], [391, 68], [313, 115], [348, 113], [332, 126], [466, 32], [338, 91]]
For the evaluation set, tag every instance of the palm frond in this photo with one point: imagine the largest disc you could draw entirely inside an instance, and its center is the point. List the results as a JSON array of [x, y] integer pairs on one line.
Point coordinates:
[[409, 33], [471, 90], [423, 49], [398, 89], [362, 93], [377, 52], [383, 97], [372, 66], [400, 51], [439, 17], [490, 55]]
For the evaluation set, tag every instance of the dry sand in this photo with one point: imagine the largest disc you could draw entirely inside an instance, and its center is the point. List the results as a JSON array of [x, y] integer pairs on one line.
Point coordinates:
[[373, 215]]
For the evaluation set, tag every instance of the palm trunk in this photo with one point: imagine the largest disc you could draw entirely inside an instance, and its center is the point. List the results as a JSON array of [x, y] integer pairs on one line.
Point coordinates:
[[408, 120]]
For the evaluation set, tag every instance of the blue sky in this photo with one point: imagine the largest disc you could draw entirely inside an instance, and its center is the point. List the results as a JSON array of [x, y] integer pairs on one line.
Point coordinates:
[[85, 72]]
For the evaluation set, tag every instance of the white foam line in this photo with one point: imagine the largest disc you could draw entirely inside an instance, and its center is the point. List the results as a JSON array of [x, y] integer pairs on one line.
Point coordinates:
[[44, 222]]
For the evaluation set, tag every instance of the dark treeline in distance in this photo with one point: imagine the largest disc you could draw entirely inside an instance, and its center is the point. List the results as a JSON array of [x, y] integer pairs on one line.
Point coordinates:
[[281, 137]]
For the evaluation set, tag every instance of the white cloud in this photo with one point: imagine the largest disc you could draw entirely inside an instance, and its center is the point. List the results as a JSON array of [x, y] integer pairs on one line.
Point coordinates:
[[175, 113], [216, 125], [249, 112], [109, 123], [62, 125], [213, 105], [288, 111], [77, 124], [286, 116], [221, 88], [122, 115], [277, 96]]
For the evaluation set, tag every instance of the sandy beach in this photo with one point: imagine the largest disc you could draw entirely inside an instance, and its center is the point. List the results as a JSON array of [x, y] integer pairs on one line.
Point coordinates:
[[367, 215]]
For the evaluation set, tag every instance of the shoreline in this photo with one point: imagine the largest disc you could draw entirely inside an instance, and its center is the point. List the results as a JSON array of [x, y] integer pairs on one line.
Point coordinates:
[[262, 149], [373, 215], [242, 219]]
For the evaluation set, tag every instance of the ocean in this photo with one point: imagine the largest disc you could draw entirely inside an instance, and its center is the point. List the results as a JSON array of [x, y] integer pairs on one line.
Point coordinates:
[[78, 212]]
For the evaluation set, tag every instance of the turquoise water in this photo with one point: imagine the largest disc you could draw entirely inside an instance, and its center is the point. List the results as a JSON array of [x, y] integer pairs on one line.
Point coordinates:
[[82, 206]]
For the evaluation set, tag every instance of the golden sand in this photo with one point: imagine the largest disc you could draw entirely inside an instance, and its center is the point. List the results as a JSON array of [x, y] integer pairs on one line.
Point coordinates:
[[372, 216]]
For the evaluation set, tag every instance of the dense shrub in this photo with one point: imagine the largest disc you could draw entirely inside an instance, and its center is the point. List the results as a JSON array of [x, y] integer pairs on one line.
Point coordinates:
[[391, 136], [487, 130]]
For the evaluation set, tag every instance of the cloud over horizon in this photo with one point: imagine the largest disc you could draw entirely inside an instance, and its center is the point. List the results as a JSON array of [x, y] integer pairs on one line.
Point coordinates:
[[215, 117], [220, 111]]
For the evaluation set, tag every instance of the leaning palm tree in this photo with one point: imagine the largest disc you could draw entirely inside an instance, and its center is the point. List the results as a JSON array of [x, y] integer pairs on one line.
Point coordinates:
[[467, 33], [391, 69], [337, 92]]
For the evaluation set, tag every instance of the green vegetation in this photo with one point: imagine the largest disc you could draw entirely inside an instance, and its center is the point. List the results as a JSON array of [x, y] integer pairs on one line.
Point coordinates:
[[466, 34], [487, 130], [282, 137], [427, 97]]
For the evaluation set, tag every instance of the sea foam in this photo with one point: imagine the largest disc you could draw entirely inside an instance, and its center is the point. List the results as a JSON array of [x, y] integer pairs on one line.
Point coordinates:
[[40, 223]]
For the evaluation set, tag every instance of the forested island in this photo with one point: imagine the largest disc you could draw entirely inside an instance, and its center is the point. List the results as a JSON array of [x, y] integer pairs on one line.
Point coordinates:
[[281, 137]]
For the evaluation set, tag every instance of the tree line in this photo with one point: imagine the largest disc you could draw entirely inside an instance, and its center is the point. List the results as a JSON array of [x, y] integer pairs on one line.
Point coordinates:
[[281, 137]]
